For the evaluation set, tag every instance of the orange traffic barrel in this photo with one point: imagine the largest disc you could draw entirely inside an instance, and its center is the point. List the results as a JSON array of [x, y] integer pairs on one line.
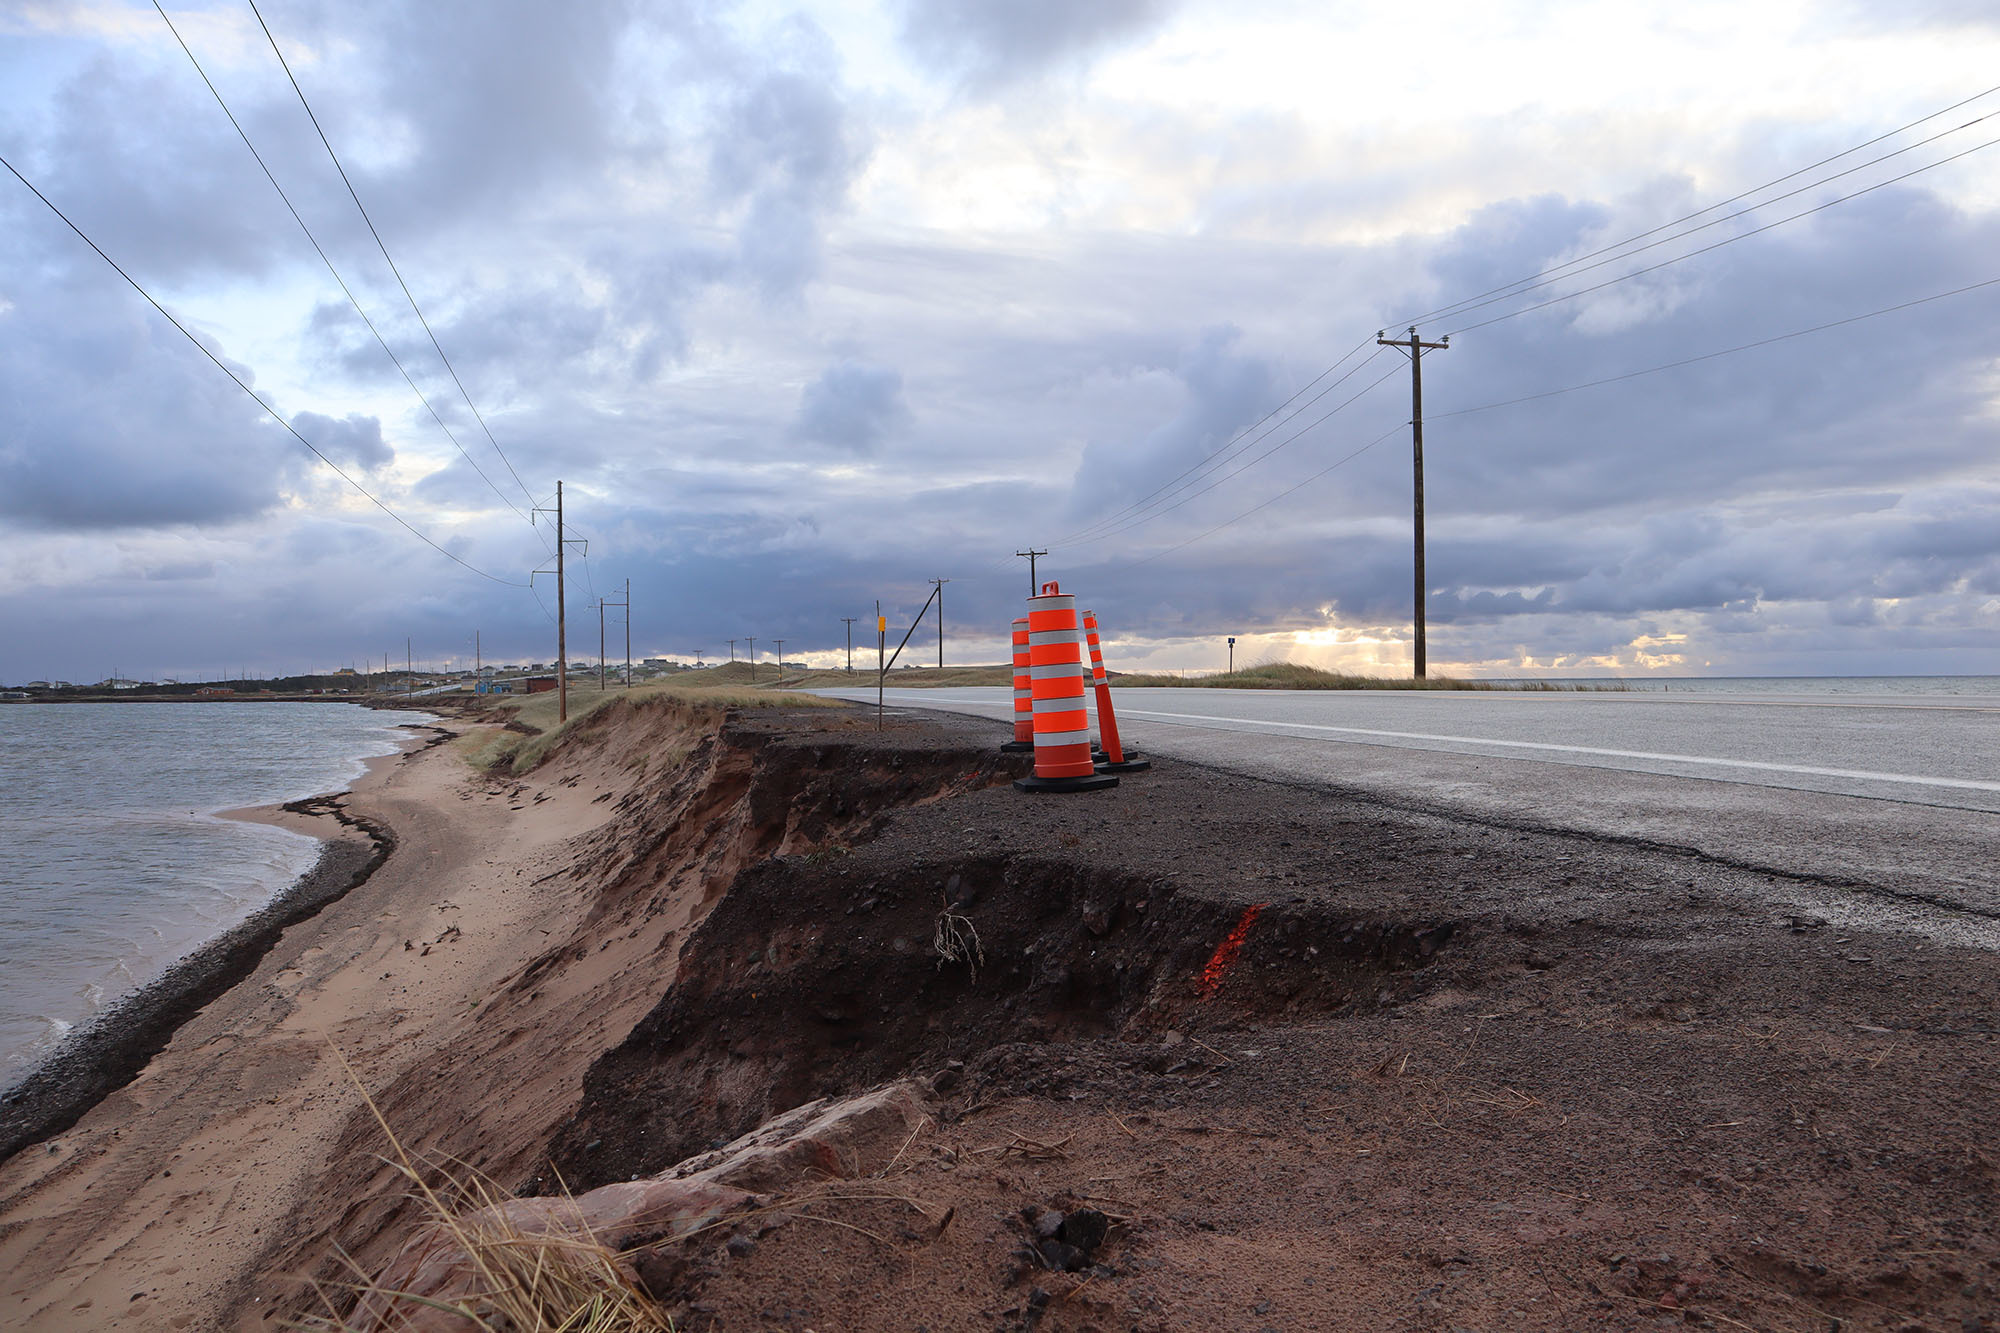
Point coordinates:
[[1058, 699], [1024, 694], [1115, 759]]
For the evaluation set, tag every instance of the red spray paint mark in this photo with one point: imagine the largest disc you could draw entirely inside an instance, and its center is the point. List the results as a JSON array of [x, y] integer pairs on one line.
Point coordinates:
[[1225, 953]]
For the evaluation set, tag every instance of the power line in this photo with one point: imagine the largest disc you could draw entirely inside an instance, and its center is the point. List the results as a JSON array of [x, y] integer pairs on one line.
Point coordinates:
[[1727, 240], [1220, 455], [385, 249], [1147, 518], [1298, 485], [221, 365], [1727, 351], [1551, 393], [1456, 306], [351, 300]]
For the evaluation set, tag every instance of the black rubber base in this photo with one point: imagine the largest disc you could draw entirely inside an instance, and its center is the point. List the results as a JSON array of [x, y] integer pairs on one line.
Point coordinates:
[[1095, 782], [1018, 747], [1129, 766]]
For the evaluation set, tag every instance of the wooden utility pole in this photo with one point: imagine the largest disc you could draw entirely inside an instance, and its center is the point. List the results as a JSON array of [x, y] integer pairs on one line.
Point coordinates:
[[732, 650], [1031, 553], [939, 583], [600, 645], [1415, 349], [781, 660], [751, 653], [849, 622], [562, 617]]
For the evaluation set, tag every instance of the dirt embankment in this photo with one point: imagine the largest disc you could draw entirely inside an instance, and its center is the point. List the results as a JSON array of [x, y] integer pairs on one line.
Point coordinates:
[[1319, 1063], [1326, 1064], [692, 797]]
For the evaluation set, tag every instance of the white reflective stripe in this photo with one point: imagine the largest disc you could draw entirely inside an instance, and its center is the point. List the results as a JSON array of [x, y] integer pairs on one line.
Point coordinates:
[[1061, 601], [1055, 670], [1024, 694], [1073, 703], [1062, 738], [1043, 638]]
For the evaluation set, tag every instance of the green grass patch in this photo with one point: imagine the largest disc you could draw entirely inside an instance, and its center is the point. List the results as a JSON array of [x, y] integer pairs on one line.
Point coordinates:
[[533, 729]]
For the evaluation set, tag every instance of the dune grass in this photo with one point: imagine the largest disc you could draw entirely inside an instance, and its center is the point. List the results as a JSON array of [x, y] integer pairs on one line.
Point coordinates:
[[518, 750], [566, 1280], [1263, 676], [902, 679], [1296, 676]]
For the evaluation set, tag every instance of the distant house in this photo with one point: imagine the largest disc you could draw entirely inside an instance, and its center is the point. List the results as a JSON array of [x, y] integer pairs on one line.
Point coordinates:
[[541, 684], [214, 692]]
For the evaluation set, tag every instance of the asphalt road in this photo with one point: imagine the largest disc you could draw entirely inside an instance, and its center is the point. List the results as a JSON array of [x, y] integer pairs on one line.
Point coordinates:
[[1876, 810]]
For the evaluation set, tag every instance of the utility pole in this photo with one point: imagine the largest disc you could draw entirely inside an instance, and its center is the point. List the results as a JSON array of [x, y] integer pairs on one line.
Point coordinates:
[[751, 653], [732, 651], [781, 660], [1031, 553], [849, 622], [940, 596], [881, 659], [478, 663], [562, 617], [409, 668], [600, 645], [1415, 349], [628, 634]]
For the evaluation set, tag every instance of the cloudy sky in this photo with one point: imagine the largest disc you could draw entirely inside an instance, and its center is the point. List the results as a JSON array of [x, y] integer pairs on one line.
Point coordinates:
[[807, 304]]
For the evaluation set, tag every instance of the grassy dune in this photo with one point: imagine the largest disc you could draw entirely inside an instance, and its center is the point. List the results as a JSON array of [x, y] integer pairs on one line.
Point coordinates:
[[520, 750]]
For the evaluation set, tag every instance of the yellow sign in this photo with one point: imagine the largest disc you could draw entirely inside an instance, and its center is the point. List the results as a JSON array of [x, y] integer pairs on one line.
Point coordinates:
[[881, 624]]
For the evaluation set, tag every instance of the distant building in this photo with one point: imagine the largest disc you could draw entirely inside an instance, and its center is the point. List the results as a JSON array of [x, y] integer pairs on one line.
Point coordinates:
[[541, 684], [214, 692]]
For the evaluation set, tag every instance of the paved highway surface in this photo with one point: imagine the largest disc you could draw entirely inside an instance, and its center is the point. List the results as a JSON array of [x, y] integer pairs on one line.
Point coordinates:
[[1866, 809]]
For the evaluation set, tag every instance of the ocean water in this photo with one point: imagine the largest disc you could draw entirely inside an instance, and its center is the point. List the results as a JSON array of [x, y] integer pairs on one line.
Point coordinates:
[[113, 863], [1894, 686]]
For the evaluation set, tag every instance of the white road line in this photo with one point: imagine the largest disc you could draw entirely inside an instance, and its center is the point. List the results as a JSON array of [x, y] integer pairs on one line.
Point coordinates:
[[1713, 761], [1857, 775]]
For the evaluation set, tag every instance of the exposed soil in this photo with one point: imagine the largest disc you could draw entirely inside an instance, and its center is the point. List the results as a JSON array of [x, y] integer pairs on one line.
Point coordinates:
[[1457, 1077]]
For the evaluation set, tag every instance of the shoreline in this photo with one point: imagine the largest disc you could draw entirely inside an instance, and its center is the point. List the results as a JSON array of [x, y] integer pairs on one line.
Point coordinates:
[[113, 1047]]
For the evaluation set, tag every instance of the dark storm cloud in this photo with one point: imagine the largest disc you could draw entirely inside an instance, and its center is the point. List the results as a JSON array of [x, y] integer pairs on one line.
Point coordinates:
[[992, 43], [852, 406]]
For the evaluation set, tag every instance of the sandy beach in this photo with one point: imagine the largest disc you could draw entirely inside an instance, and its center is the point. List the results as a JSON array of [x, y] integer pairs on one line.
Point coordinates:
[[151, 1211]]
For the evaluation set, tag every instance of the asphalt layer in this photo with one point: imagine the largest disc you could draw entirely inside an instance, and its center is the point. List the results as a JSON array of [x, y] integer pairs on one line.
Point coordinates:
[[1882, 813]]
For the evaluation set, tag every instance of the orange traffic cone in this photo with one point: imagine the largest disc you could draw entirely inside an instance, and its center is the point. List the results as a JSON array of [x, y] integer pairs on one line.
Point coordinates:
[[1062, 719], [1024, 695], [1115, 759]]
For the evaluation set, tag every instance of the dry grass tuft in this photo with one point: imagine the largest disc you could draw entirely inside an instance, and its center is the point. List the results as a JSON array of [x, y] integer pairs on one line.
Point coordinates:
[[956, 940], [567, 1282], [521, 750]]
